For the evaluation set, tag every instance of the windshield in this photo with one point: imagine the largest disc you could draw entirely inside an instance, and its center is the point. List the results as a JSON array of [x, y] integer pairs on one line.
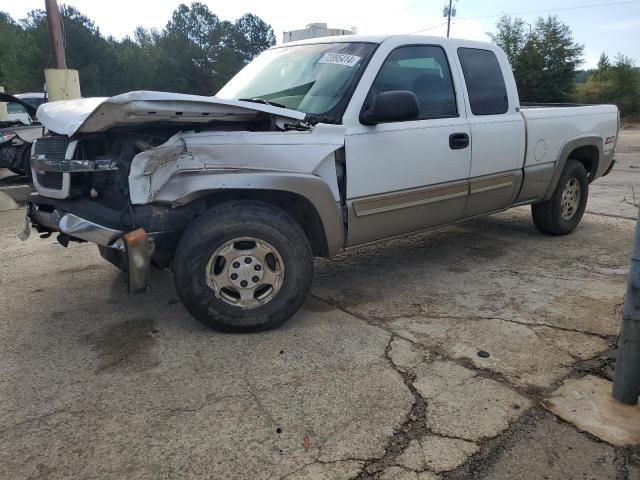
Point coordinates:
[[315, 79], [35, 101]]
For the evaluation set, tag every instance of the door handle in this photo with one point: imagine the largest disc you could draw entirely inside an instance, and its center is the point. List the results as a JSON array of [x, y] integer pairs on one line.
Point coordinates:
[[458, 141]]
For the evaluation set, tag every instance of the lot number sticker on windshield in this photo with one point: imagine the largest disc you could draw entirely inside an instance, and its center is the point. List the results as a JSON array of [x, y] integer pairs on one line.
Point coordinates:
[[340, 59]]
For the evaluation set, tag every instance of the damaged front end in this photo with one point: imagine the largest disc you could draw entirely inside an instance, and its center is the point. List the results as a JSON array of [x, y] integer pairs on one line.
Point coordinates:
[[83, 196], [97, 171]]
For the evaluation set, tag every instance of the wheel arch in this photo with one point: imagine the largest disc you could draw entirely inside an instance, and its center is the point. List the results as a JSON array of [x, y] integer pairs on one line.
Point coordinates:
[[588, 150], [307, 198]]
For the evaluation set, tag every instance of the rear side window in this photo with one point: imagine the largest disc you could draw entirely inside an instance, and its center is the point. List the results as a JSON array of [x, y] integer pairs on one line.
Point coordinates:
[[15, 108], [485, 83], [423, 70]]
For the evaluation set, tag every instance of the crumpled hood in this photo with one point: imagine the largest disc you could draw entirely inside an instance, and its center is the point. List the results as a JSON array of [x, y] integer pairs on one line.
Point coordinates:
[[99, 114]]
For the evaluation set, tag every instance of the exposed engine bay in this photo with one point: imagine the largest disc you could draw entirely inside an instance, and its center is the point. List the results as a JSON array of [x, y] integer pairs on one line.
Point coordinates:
[[131, 173]]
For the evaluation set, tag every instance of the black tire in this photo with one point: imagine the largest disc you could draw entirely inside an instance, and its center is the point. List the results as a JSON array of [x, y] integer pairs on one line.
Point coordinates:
[[25, 164], [226, 222], [547, 216]]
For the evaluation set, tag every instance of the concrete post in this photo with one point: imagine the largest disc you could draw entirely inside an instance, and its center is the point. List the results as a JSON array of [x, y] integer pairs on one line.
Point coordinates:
[[4, 116], [626, 382], [62, 84]]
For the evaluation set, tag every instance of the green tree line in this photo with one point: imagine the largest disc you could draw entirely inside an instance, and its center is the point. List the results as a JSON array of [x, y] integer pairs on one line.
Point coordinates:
[[545, 58], [616, 81], [198, 53], [195, 53]]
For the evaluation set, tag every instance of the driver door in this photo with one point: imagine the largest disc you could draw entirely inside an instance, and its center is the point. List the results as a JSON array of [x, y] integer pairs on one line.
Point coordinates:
[[409, 175]]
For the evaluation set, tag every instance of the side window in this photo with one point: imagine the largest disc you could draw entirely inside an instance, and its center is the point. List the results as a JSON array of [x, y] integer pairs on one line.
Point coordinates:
[[423, 70], [15, 108], [485, 83]]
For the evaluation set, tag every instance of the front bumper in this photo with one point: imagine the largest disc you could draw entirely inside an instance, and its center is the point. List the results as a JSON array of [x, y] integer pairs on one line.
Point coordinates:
[[74, 227], [87, 220], [132, 250]]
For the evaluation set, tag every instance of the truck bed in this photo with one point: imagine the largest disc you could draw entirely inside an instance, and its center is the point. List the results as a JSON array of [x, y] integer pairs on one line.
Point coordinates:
[[549, 126]]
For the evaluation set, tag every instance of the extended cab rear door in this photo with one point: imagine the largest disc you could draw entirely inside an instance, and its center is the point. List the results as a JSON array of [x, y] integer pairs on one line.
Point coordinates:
[[497, 129], [405, 176]]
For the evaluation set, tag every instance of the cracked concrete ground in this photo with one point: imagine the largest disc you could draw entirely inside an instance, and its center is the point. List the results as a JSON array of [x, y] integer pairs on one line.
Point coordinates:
[[422, 358]]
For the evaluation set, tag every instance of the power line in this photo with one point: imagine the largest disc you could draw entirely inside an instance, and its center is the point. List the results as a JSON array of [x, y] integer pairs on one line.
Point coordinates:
[[577, 7], [429, 28]]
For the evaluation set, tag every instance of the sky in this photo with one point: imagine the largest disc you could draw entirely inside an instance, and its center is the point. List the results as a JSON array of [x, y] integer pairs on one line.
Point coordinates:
[[612, 26]]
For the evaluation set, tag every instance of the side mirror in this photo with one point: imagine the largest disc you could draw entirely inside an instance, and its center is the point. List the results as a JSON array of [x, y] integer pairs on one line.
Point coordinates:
[[392, 106]]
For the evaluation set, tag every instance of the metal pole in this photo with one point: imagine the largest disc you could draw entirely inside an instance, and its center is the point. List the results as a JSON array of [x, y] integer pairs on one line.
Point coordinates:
[[626, 381], [449, 19], [55, 34]]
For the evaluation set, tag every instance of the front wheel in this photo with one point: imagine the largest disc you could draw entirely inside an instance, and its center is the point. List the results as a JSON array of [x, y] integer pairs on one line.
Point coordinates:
[[562, 213], [25, 164], [243, 266]]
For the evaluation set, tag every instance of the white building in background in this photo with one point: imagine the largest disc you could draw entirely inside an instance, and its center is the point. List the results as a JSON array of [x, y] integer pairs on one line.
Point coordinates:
[[314, 30]]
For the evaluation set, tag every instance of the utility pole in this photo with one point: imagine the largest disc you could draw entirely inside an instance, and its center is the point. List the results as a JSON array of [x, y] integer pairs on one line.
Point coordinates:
[[55, 34], [449, 12], [61, 83]]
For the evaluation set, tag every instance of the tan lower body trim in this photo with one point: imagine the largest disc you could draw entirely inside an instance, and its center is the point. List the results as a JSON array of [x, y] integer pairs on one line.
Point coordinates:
[[492, 183], [408, 198], [411, 198]]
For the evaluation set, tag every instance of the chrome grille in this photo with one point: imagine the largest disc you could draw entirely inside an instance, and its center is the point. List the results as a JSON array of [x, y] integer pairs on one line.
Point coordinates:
[[51, 148]]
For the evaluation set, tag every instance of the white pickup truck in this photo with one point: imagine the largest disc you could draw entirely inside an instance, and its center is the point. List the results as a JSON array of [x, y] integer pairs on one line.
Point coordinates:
[[313, 148]]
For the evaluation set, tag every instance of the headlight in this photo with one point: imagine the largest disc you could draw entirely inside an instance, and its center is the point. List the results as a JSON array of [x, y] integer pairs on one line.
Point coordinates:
[[6, 136]]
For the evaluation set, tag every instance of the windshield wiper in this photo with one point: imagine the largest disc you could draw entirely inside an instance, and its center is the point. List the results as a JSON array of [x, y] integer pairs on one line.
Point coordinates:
[[263, 101], [313, 119]]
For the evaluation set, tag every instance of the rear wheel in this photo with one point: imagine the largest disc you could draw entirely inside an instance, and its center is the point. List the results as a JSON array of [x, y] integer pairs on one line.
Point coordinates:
[[243, 266], [562, 213]]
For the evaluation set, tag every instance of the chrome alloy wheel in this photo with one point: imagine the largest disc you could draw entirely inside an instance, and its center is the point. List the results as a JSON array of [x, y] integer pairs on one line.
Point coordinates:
[[245, 272], [570, 198]]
